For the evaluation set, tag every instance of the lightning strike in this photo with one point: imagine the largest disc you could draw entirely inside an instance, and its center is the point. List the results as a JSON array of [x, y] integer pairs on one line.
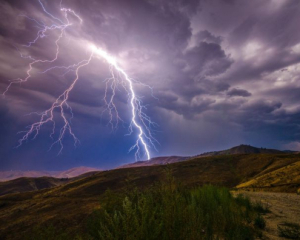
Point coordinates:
[[140, 122]]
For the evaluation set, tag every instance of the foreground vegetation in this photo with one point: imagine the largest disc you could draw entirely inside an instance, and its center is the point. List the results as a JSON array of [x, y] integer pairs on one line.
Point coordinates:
[[170, 211], [202, 213]]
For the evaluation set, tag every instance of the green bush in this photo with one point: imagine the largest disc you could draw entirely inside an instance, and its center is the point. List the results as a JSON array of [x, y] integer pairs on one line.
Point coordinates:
[[168, 211]]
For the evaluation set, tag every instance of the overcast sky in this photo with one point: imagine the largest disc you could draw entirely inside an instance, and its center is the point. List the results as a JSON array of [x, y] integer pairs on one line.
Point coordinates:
[[223, 73]]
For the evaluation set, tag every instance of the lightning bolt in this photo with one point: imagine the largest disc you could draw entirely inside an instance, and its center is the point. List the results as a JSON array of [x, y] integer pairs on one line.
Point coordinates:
[[140, 122]]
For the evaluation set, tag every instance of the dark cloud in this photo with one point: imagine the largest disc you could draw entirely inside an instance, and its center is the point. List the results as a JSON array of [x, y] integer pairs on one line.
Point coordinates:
[[215, 68], [206, 59], [206, 36], [262, 107], [183, 107], [235, 92]]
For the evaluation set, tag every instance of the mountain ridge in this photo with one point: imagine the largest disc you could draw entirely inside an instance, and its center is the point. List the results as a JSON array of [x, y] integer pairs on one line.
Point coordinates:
[[76, 171], [19, 181], [69, 173], [243, 149], [240, 149], [155, 161]]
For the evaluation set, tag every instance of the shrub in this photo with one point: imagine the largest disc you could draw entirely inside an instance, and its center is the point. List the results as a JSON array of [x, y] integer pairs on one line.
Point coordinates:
[[167, 211], [260, 222], [261, 208]]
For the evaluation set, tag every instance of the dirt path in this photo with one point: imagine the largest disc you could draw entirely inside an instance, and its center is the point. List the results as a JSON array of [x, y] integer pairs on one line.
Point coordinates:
[[284, 207]]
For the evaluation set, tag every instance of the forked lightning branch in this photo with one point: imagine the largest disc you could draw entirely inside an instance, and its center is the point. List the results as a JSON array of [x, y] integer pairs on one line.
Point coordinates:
[[140, 123]]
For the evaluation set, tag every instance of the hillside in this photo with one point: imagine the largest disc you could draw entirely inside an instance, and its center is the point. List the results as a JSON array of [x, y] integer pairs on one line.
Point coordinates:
[[243, 149], [73, 172], [76, 200], [10, 175], [29, 184], [155, 161], [280, 180], [25, 184]]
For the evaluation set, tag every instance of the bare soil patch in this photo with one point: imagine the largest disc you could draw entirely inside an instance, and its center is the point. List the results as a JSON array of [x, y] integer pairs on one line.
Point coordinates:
[[284, 207]]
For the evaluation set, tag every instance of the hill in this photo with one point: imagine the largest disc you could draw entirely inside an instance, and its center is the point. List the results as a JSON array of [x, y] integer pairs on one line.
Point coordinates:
[[243, 149], [279, 180], [10, 175], [155, 161], [73, 172], [69, 204], [24, 184]]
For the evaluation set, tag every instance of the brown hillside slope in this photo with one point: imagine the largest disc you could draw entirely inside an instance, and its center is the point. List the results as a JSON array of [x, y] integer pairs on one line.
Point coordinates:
[[10, 175], [29, 184], [68, 205], [73, 172], [242, 149], [284, 179], [25, 184], [156, 161]]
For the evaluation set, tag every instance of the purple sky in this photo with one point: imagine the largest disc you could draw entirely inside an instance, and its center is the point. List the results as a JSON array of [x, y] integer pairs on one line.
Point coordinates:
[[223, 72]]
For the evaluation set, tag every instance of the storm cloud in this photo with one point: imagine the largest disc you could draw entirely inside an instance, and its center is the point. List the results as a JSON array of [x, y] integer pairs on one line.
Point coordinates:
[[222, 73]]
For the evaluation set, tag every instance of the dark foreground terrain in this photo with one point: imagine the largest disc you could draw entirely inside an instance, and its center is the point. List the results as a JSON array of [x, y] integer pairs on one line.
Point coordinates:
[[71, 206]]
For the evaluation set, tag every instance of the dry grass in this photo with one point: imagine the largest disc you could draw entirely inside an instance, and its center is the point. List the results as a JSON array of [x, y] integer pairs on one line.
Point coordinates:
[[284, 179]]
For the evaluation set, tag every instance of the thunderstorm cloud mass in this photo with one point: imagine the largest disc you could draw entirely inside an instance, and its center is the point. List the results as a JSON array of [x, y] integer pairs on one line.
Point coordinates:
[[209, 75]]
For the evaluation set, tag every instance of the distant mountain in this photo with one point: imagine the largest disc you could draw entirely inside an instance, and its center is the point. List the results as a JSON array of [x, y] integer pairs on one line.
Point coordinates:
[[155, 161], [25, 184], [10, 175], [36, 180], [242, 149], [73, 172]]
